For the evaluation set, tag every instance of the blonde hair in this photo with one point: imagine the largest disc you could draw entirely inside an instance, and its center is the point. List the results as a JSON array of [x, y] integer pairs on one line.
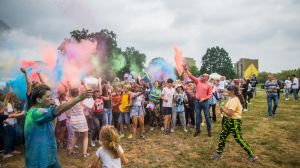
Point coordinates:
[[110, 140]]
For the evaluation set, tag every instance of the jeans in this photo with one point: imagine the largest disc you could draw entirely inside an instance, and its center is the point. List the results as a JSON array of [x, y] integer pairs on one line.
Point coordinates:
[[124, 117], [10, 138], [274, 98], [97, 117], [199, 106], [116, 119], [296, 91], [181, 117], [107, 116], [287, 92]]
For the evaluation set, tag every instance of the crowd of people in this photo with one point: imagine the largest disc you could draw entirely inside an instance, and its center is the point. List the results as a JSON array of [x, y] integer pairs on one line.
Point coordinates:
[[121, 110]]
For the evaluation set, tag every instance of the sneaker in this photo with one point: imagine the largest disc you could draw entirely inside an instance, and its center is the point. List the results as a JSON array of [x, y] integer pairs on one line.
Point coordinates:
[[245, 110], [253, 158], [172, 130], [151, 129], [129, 136], [286, 99], [142, 136], [16, 152], [216, 156], [76, 146], [185, 130], [7, 156], [162, 128], [93, 144], [122, 135]]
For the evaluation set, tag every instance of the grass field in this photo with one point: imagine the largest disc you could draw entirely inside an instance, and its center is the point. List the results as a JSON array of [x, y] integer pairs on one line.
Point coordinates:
[[276, 142]]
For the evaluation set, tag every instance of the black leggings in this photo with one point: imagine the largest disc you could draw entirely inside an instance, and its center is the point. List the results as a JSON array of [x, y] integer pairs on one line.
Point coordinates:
[[214, 116]]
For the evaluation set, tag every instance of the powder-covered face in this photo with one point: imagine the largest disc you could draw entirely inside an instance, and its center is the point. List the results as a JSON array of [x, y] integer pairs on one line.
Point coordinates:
[[45, 101]]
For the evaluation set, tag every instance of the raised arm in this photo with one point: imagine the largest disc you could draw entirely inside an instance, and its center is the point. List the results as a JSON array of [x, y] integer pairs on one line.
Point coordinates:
[[28, 81], [189, 73], [99, 85], [40, 78], [69, 104]]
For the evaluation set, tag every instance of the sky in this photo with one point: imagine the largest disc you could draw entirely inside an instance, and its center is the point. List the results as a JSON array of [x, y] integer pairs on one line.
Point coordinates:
[[267, 30]]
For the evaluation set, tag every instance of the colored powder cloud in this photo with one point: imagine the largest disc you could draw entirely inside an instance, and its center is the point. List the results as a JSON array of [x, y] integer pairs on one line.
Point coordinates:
[[160, 70]]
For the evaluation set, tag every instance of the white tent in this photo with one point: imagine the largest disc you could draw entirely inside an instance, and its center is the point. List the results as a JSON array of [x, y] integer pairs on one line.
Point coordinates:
[[215, 76]]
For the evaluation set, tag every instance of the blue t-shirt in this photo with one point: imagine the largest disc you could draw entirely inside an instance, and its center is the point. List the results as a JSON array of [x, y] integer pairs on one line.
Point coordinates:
[[40, 143]]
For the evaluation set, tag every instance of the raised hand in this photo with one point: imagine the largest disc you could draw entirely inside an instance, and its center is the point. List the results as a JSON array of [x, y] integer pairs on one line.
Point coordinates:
[[86, 94], [23, 70]]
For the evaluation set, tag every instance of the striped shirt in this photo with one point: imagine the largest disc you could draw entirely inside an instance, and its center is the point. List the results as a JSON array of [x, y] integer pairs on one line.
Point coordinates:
[[271, 87]]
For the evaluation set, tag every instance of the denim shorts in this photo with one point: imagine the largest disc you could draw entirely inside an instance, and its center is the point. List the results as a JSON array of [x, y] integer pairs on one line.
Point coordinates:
[[136, 111]]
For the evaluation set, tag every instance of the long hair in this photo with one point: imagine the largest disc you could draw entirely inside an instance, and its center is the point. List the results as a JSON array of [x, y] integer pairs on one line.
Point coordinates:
[[110, 140], [235, 90]]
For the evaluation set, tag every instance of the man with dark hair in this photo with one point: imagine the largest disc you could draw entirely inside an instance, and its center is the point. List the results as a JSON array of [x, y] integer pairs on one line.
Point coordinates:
[[271, 87], [167, 95], [40, 143], [295, 87]]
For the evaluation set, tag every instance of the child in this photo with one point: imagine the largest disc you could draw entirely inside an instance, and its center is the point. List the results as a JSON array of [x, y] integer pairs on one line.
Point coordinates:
[[116, 102], [124, 111], [167, 97], [79, 125], [154, 105], [137, 111], [179, 98], [98, 110], [111, 153]]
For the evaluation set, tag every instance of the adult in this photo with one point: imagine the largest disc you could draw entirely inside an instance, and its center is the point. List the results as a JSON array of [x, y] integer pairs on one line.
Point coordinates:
[[203, 94], [287, 87], [253, 82], [271, 87], [295, 87], [232, 123], [40, 144]]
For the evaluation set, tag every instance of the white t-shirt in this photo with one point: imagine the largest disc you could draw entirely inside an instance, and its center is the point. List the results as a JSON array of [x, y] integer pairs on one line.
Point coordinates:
[[295, 83], [221, 85], [169, 94], [107, 160], [10, 110], [288, 83]]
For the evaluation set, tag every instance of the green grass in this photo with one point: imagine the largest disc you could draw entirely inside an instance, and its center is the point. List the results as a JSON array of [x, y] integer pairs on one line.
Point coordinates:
[[276, 142]]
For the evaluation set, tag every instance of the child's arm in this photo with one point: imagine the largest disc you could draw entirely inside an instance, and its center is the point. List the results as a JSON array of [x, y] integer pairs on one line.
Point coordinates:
[[124, 160], [95, 163]]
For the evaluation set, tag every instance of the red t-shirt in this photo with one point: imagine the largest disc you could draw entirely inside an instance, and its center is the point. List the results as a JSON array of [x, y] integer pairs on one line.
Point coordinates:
[[118, 100], [98, 105]]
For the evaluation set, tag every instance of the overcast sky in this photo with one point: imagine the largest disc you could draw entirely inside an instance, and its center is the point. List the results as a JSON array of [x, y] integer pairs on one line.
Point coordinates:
[[268, 30]]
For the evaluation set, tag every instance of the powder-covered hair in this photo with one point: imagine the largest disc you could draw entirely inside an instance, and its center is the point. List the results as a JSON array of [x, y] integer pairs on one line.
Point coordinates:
[[110, 140]]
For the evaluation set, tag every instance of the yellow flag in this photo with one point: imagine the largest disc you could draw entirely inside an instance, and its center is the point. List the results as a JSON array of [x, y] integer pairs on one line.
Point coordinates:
[[250, 71]]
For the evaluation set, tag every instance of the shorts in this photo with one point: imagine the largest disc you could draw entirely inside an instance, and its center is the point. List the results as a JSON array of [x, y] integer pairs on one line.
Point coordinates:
[[254, 89], [136, 111], [166, 110]]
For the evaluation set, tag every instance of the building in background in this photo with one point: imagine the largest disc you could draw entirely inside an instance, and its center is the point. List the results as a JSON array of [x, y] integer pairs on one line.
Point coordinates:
[[245, 67]]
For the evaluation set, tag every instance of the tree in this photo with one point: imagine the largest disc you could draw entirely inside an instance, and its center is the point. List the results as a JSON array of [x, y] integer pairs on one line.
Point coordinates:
[[194, 70], [217, 60]]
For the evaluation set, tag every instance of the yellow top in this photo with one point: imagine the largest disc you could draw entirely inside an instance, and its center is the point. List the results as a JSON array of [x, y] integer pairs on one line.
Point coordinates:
[[235, 105], [124, 106]]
